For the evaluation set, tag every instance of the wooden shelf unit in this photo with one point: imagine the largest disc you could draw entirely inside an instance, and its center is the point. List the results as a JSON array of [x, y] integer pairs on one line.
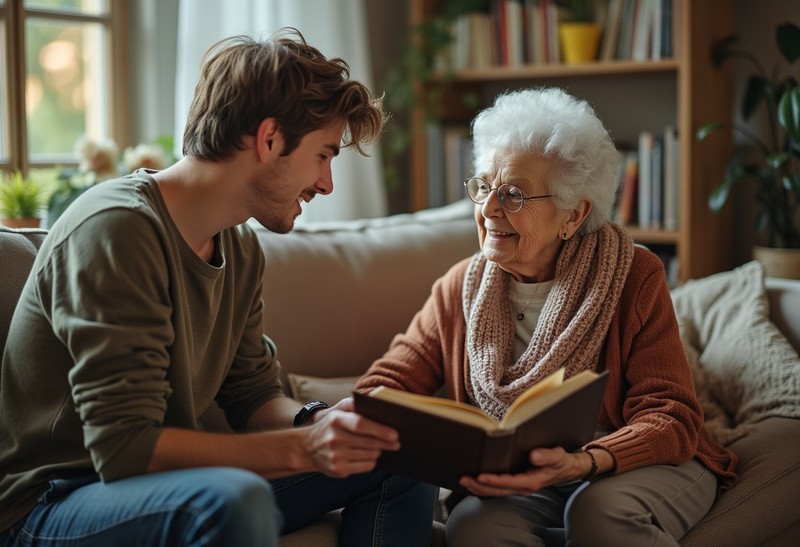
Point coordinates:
[[686, 92]]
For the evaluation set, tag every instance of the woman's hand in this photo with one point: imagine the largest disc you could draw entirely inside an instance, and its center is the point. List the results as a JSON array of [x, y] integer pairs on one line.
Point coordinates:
[[550, 466]]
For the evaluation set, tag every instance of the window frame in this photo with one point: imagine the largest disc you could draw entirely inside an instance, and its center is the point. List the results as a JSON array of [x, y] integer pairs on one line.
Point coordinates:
[[14, 13]]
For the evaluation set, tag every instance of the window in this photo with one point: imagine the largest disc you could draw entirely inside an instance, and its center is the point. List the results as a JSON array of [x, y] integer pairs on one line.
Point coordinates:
[[57, 81]]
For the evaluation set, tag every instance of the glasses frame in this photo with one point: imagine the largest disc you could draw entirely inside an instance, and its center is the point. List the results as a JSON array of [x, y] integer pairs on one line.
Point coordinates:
[[503, 202]]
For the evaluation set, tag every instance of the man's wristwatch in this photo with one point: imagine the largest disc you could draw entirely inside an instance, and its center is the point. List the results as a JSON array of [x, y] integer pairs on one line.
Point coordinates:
[[310, 408]]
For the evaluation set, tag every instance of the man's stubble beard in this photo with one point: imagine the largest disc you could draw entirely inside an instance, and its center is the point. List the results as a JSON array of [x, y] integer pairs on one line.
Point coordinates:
[[268, 214]]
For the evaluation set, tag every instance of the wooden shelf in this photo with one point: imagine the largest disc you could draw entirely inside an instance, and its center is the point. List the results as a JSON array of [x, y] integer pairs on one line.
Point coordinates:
[[527, 72]]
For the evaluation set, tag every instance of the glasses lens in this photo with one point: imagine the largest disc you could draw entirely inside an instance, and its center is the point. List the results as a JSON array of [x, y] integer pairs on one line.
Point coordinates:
[[511, 197], [477, 189]]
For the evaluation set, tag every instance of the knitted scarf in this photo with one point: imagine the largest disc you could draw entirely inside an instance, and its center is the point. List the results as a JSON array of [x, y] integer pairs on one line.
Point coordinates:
[[590, 273]]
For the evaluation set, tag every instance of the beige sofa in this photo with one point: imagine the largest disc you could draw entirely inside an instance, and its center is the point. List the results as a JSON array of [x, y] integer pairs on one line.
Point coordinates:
[[336, 294]]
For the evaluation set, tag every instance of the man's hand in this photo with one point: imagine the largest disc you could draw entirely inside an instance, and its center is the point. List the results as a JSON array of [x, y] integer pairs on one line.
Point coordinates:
[[341, 442]]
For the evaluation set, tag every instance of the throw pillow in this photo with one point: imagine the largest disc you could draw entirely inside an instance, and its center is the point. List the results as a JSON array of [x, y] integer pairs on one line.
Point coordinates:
[[313, 388], [745, 370]]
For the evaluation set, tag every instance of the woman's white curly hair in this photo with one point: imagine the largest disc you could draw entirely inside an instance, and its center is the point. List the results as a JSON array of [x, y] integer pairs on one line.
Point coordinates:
[[550, 122]]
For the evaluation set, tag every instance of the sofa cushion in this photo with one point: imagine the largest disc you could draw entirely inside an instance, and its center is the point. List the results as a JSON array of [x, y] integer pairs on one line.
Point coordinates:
[[745, 369], [313, 388], [763, 503]]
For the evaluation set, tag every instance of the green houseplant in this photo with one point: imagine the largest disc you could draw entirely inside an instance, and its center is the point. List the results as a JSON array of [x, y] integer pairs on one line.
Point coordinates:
[[773, 161], [21, 201]]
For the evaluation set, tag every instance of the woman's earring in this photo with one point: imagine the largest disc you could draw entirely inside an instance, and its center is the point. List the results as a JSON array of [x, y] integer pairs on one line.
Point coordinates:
[[564, 235]]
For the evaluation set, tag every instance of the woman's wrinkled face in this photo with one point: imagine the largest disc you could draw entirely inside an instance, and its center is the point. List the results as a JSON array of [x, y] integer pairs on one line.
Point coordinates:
[[525, 244]]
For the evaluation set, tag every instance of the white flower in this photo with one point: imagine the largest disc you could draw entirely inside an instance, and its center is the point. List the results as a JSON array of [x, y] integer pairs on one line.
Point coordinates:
[[149, 156], [98, 157]]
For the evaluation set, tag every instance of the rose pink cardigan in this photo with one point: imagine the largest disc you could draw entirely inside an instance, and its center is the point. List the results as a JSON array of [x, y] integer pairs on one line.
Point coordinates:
[[650, 409]]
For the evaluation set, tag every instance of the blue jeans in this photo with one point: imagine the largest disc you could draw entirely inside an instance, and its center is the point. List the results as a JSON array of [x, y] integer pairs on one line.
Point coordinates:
[[379, 509], [223, 506]]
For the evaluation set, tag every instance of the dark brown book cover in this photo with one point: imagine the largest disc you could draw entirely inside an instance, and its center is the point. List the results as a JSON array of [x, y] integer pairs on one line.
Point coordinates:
[[439, 450]]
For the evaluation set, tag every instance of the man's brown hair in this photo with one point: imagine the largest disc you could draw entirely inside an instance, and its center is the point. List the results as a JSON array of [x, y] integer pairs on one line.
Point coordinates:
[[244, 81]]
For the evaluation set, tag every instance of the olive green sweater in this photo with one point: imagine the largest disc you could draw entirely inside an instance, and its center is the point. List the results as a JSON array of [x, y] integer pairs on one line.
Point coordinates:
[[650, 413], [121, 330]]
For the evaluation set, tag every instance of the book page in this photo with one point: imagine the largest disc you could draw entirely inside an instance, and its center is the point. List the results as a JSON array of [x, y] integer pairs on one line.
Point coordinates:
[[548, 383], [539, 396], [437, 406]]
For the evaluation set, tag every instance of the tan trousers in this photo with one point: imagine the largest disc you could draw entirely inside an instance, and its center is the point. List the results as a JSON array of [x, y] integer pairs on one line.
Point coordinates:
[[650, 506]]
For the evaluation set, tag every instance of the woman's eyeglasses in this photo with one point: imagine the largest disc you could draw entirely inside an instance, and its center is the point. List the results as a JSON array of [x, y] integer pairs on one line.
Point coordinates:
[[510, 197]]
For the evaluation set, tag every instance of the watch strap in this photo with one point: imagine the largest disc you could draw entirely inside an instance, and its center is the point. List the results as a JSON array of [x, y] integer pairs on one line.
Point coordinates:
[[308, 409], [593, 469]]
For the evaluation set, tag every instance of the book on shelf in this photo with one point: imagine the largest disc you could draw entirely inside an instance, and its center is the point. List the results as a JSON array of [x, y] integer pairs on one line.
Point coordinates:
[[628, 193], [625, 37], [499, 42], [535, 36], [442, 440], [611, 30], [552, 17], [644, 212], [457, 160], [656, 183], [656, 29], [671, 179], [514, 32], [667, 30]]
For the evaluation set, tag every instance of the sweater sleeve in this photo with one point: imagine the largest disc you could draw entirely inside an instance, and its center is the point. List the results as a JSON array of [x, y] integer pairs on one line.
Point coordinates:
[[650, 398], [104, 294]]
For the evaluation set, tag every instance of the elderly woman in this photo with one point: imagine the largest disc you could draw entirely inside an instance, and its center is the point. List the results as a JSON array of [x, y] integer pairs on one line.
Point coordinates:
[[556, 284]]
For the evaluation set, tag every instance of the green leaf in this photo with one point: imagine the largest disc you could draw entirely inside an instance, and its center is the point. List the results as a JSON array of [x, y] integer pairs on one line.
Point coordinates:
[[723, 49], [787, 36], [20, 197], [720, 194], [789, 113], [792, 183], [706, 129], [775, 160]]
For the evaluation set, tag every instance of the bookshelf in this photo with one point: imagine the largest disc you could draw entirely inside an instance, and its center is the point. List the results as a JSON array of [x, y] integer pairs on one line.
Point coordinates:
[[683, 91]]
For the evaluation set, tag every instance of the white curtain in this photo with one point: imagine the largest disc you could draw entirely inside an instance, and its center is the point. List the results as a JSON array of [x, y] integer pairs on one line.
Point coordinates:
[[335, 27]]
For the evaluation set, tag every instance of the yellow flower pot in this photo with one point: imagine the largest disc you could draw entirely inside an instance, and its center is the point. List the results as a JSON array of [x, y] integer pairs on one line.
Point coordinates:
[[579, 42]]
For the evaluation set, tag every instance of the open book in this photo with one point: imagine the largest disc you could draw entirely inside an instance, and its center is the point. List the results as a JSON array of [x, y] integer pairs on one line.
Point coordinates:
[[442, 440]]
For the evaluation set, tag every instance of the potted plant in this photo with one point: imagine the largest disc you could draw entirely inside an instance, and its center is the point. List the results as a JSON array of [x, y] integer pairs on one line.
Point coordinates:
[[773, 162], [579, 32], [21, 202]]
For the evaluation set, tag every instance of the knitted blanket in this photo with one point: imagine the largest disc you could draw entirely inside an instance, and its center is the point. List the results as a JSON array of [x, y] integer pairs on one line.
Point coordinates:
[[744, 368]]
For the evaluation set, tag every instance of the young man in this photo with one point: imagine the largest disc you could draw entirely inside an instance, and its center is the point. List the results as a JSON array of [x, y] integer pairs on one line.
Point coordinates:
[[143, 307]]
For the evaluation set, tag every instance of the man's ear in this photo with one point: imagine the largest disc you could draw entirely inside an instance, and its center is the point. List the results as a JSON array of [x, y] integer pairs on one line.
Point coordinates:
[[269, 140]]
